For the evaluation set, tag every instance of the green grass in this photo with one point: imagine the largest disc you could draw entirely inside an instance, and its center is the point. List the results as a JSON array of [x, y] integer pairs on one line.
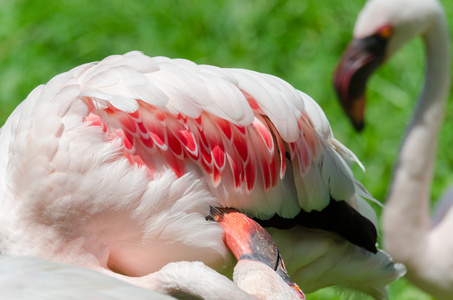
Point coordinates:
[[297, 40]]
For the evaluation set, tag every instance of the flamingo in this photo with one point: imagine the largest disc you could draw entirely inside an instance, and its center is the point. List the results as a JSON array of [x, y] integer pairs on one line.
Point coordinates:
[[382, 27], [115, 166]]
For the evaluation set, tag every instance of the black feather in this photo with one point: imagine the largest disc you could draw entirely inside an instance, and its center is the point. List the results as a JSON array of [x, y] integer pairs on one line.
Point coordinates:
[[338, 217]]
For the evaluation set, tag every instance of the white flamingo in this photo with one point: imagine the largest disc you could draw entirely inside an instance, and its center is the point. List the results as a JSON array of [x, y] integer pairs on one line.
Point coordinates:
[[115, 165], [382, 28]]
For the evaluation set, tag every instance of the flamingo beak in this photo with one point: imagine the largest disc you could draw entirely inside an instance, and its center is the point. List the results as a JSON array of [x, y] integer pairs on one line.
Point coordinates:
[[360, 59], [248, 240]]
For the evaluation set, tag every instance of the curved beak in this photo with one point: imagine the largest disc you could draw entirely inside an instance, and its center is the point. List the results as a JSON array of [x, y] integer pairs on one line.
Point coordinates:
[[360, 59], [246, 239]]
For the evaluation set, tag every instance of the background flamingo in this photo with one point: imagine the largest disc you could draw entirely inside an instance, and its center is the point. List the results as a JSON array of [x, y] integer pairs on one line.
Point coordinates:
[[382, 28]]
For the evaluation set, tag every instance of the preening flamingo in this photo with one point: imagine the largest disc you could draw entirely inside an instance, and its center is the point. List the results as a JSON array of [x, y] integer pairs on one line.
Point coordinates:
[[115, 166], [381, 29]]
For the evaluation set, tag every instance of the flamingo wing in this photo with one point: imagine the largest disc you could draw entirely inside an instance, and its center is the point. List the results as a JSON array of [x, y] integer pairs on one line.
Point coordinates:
[[262, 147], [265, 148]]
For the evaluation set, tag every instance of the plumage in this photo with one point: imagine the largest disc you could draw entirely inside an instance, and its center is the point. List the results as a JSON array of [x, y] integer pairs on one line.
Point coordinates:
[[330, 260], [24, 277], [114, 165], [382, 27]]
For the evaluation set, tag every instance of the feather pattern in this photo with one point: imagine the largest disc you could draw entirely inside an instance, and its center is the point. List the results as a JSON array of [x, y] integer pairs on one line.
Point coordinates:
[[233, 123]]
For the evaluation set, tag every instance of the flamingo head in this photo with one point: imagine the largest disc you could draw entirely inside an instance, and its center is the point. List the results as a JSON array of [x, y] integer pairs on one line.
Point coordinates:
[[382, 27], [248, 241]]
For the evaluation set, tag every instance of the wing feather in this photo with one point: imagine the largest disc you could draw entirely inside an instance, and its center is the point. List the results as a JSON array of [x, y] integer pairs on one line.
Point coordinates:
[[264, 146]]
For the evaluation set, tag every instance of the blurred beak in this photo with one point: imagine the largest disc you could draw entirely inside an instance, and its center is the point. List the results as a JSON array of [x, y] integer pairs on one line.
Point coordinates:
[[361, 58], [248, 240]]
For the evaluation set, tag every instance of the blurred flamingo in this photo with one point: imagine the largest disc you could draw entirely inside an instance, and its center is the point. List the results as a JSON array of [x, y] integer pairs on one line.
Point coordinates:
[[382, 27]]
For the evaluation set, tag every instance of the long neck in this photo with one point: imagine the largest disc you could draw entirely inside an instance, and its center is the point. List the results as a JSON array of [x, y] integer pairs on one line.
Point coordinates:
[[406, 216]]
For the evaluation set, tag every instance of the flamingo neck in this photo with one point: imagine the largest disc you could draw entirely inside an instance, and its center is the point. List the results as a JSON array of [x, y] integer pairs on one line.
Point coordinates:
[[407, 207]]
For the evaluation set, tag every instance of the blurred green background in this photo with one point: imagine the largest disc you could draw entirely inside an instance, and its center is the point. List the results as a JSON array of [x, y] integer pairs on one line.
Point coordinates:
[[297, 40]]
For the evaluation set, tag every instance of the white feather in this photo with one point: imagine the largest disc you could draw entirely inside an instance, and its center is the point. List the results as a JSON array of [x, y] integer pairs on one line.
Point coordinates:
[[32, 278]]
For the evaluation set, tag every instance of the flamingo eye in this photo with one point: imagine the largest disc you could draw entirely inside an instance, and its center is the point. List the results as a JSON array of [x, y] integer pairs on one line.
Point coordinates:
[[385, 32]]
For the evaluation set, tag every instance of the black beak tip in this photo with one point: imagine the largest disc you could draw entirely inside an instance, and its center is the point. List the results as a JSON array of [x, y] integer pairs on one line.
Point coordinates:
[[358, 125]]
